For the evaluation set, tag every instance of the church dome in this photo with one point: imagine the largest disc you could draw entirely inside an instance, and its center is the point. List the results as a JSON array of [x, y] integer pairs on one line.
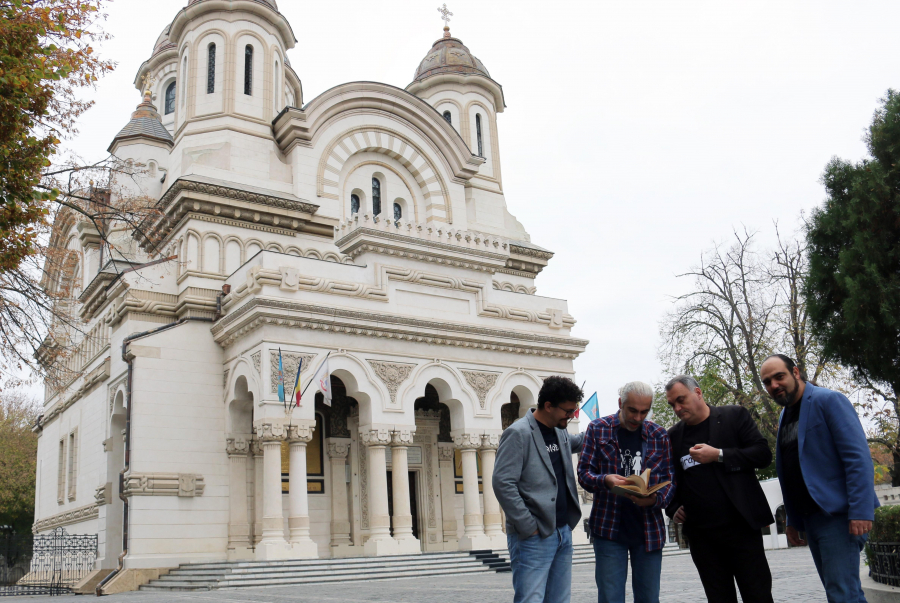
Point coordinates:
[[270, 3], [449, 55], [162, 42]]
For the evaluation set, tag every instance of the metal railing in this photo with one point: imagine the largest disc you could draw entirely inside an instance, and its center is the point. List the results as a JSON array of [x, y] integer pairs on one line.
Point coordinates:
[[48, 564]]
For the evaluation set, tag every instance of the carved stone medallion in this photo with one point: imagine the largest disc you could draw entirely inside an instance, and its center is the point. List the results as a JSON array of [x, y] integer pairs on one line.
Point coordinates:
[[290, 362], [393, 374], [481, 382]]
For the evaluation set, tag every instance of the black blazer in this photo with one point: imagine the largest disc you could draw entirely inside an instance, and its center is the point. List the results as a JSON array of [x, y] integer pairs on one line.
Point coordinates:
[[732, 429]]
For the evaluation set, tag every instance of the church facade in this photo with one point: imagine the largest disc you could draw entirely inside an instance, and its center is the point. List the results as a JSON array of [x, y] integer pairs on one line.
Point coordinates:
[[367, 226]]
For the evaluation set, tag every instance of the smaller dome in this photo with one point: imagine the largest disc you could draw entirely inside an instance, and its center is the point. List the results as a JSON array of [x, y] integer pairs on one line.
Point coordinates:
[[144, 123], [162, 42], [267, 2], [449, 55]]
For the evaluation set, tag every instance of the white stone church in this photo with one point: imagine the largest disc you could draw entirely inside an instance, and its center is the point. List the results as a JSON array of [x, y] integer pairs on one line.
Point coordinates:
[[368, 225]]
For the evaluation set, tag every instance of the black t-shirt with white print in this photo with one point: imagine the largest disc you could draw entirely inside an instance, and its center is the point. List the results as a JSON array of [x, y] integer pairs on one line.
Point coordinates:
[[562, 503]]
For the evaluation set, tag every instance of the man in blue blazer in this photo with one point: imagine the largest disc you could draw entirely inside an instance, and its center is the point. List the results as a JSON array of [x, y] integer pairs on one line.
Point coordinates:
[[826, 475]]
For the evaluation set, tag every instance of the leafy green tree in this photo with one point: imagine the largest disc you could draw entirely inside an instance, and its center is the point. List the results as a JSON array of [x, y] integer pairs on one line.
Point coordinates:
[[853, 286], [18, 454]]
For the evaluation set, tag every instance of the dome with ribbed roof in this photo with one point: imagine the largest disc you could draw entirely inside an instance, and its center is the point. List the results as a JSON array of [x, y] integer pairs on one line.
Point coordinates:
[[449, 55], [266, 2], [144, 123]]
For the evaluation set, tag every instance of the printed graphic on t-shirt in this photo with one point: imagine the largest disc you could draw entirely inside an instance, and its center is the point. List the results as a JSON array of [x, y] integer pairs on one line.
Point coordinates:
[[551, 448], [687, 462], [630, 464], [789, 433]]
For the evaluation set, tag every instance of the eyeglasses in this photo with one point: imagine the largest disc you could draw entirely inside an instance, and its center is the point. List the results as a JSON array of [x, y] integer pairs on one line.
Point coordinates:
[[569, 413]]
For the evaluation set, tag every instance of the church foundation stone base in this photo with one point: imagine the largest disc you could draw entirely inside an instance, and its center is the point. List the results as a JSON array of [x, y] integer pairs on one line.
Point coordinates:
[[269, 551], [409, 546], [475, 543], [241, 554], [339, 551], [305, 549], [381, 547]]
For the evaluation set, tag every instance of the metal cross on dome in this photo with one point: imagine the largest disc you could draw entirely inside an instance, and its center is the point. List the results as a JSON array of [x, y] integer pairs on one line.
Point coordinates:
[[445, 15]]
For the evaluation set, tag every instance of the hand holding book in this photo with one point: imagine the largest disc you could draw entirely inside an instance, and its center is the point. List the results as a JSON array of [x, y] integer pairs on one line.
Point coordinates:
[[635, 486]]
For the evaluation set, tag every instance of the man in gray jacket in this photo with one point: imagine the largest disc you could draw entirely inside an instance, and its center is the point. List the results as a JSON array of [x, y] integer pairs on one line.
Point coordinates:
[[535, 483]]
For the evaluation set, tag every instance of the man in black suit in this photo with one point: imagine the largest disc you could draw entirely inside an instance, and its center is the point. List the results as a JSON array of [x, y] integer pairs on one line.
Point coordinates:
[[717, 496]]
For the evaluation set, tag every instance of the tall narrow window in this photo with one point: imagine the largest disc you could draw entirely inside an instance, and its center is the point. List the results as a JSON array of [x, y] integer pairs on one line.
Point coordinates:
[[376, 196], [354, 204], [478, 134], [73, 463], [184, 79], [448, 117], [61, 473], [248, 70], [276, 92], [398, 212], [170, 98], [211, 70]]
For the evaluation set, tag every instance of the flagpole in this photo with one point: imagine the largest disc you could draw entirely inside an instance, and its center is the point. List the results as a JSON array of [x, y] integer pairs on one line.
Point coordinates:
[[314, 374]]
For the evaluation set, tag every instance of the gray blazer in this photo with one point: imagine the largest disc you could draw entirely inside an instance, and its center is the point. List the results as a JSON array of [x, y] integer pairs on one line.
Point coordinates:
[[524, 481]]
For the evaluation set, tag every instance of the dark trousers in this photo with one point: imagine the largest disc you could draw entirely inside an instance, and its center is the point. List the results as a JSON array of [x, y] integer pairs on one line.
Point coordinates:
[[732, 554]]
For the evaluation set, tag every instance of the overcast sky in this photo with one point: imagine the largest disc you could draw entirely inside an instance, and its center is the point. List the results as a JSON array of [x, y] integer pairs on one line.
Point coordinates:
[[636, 133]]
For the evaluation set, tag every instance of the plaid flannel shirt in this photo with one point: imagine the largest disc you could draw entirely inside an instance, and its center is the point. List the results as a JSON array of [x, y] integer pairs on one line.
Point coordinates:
[[600, 457]]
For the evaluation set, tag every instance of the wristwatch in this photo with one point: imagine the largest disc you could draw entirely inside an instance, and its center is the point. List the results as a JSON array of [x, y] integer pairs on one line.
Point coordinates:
[[721, 456]]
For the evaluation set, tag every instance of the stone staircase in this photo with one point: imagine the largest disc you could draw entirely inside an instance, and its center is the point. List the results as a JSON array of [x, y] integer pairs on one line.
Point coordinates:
[[262, 574]]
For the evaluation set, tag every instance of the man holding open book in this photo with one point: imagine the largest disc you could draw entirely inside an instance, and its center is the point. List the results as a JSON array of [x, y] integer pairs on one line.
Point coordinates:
[[626, 462], [717, 495]]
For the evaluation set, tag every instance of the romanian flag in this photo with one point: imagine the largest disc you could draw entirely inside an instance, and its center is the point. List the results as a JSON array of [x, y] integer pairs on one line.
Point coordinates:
[[280, 378], [297, 390]]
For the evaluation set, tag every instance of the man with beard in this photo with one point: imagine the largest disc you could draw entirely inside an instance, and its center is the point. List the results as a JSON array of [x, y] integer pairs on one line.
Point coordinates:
[[826, 475], [717, 496]]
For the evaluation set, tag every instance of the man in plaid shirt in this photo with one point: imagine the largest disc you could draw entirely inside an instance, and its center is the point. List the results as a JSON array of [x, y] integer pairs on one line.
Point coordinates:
[[614, 448]]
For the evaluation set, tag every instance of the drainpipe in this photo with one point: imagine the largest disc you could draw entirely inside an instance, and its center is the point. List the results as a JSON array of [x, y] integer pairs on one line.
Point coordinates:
[[128, 404]]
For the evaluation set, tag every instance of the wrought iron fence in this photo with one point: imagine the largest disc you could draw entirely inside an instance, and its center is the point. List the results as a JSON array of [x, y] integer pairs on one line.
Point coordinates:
[[46, 564], [884, 562]]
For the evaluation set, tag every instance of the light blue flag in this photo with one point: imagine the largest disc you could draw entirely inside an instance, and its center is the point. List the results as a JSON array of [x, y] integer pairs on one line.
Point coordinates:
[[280, 378], [591, 408]]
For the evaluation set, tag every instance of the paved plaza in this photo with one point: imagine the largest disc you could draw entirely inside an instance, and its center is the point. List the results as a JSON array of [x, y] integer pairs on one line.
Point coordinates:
[[794, 580]]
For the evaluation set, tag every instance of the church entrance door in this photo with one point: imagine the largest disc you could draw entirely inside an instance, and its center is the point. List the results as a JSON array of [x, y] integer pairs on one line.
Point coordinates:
[[413, 506]]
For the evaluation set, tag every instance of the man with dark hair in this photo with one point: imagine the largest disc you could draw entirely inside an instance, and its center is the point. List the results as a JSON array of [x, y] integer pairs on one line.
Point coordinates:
[[717, 495], [826, 475], [535, 484], [616, 447]]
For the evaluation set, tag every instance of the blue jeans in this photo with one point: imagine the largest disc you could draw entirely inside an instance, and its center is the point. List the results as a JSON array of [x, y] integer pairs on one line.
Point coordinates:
[[541, 567], [611, 572], [836, 554]]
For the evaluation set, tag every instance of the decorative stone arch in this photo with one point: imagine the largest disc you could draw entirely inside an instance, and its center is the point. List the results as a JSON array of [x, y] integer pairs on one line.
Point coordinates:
[[450, 386], [275, 247], [361, 384], [379, 139], [312, 254], [218, 262], [492, 125], [248, 243], [330, 256], [416, 200], [242, 382], [228, 240], [463, 126], [295, 251], [525, 385]]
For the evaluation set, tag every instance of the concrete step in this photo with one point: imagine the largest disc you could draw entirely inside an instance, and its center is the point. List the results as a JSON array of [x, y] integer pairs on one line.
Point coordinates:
[[244, 574]]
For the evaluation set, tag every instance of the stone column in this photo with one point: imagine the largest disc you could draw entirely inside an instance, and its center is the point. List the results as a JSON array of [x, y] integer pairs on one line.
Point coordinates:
[[380, 541], [273, 544], [402, 519], [448, 497], [238, 524], [473, 521], [493, 529], [338, 450], [302, 546], [257, 455]]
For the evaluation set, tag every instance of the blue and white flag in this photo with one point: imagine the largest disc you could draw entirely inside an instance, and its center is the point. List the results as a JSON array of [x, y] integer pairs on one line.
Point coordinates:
[[591, 408]]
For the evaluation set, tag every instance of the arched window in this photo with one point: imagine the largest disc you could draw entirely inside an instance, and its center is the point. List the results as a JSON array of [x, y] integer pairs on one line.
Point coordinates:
[[276, 92], [478, 134], [211, 70], [170, 98], [354, 204], [398, 212], [376, 196], [248, 70], [448, 117]]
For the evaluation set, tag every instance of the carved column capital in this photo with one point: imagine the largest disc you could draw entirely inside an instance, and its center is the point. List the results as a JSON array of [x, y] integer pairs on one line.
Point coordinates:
[[490, 441], [338, 448], [402, 437], [380, 436], [467, 441], [255, 448], [301, 431], [270, 431], [237, 445]]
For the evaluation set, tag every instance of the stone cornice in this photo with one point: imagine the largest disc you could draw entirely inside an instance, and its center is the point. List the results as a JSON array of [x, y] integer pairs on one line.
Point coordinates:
[[164, 484], [85, 513], [260, 311], [242, 206]]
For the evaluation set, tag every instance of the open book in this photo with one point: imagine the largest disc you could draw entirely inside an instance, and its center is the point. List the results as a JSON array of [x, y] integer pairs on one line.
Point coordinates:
[[637, 486]]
